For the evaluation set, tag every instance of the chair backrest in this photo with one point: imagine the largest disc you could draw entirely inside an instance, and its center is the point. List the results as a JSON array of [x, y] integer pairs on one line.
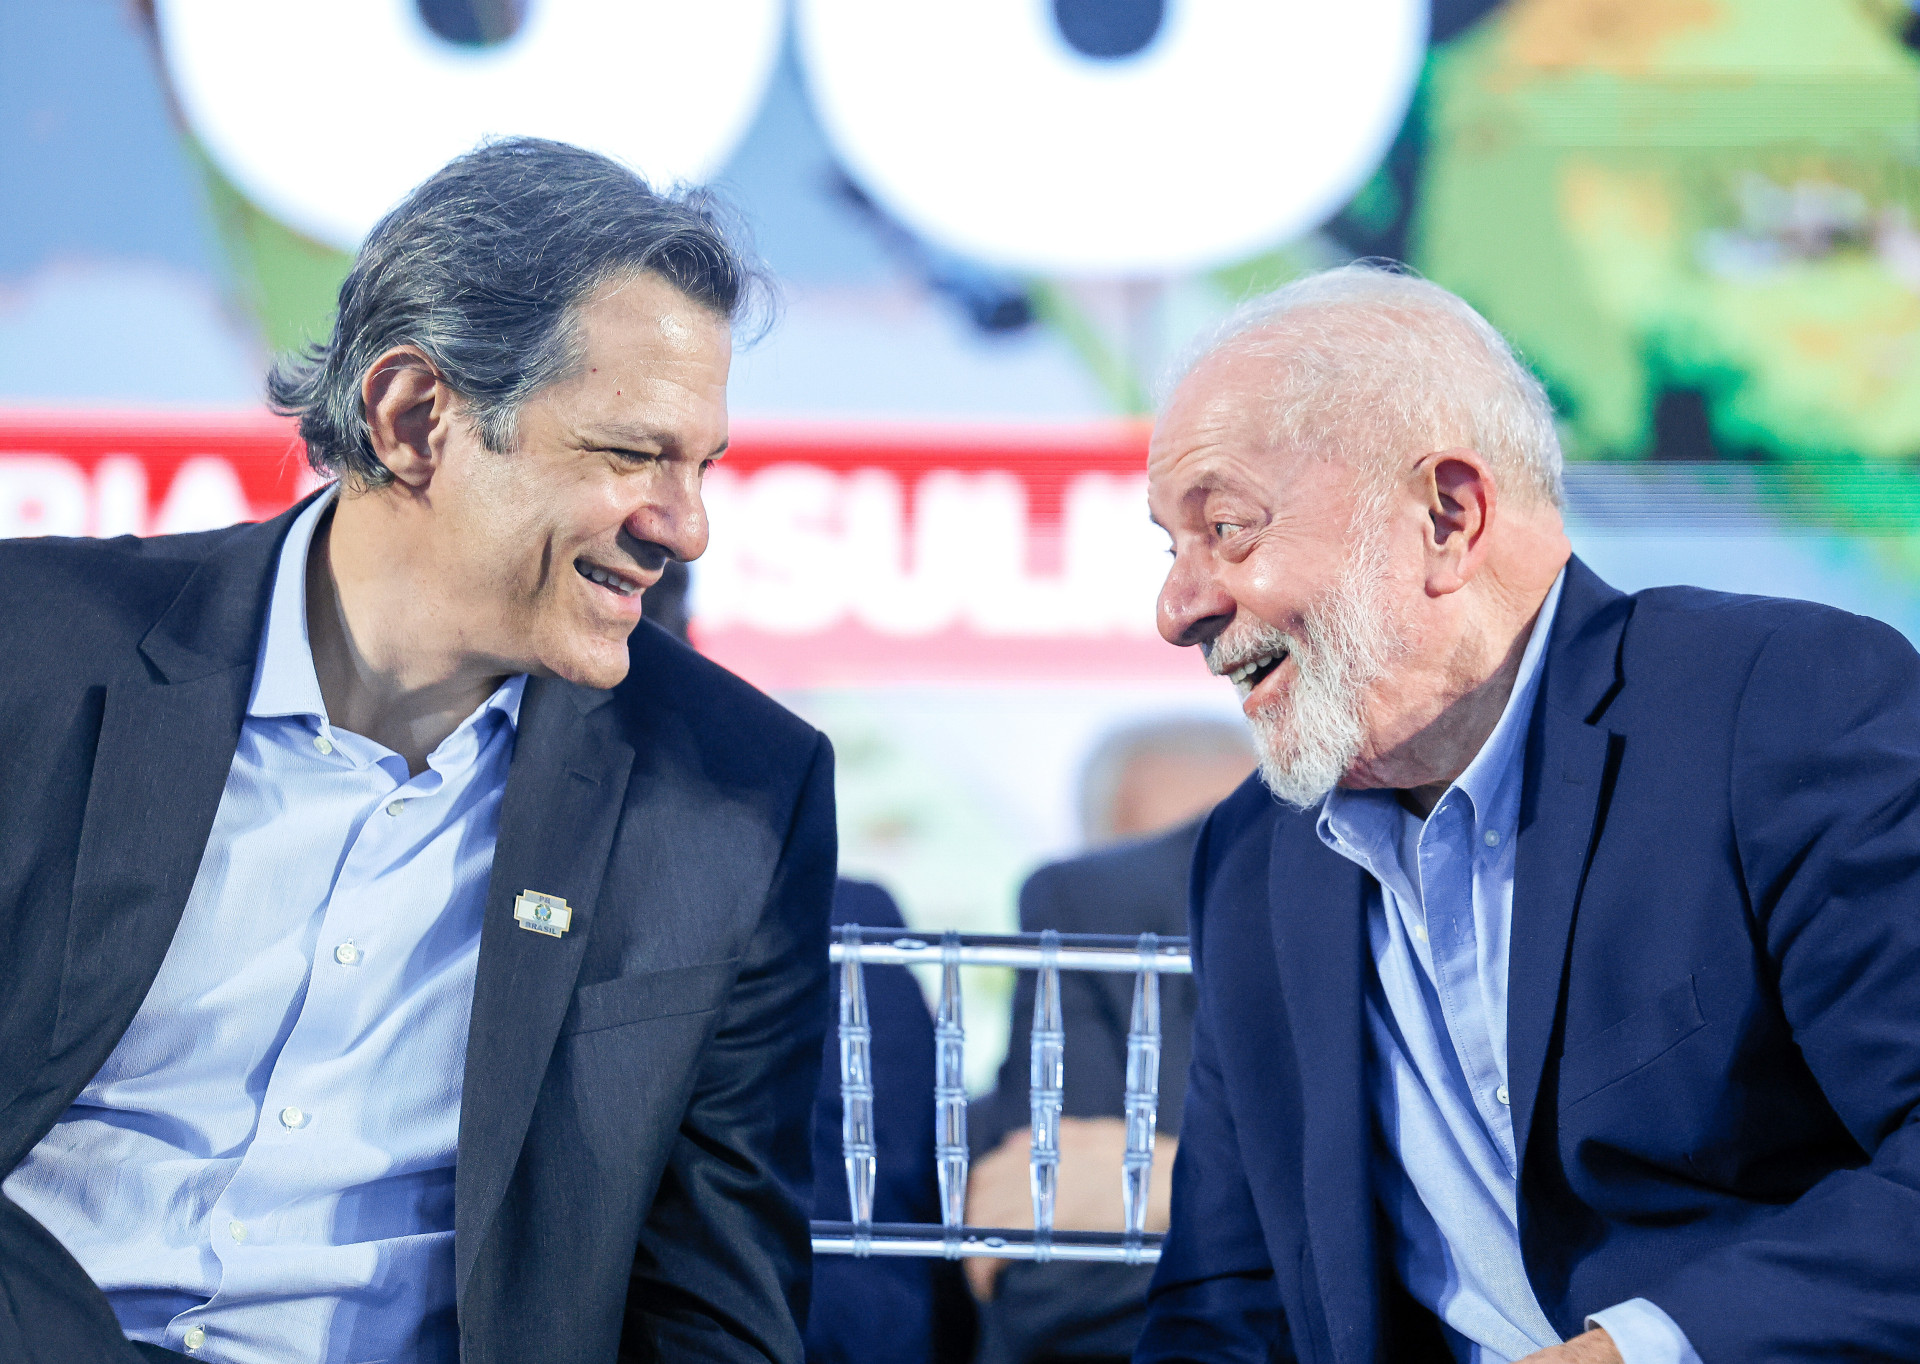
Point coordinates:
[[1147, 957]]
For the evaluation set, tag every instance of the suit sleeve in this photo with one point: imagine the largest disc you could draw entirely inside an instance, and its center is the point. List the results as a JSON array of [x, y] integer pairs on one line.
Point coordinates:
[[724, 1259], [1213, 1299], [1826, 803]]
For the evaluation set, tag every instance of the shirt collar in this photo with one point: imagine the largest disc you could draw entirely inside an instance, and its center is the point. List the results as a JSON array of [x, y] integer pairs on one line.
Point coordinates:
[[284, 680], [1367, 820], [1492, 779]]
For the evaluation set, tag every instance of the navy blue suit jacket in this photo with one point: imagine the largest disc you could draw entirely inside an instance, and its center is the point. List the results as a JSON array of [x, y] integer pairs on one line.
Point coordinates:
[[1713, 1020]]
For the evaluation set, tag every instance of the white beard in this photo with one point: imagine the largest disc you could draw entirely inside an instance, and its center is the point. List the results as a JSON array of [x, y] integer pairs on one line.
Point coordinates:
[[1311, 739]]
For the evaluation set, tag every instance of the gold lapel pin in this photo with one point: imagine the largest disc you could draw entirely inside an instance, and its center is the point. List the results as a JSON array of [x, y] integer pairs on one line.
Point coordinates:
[[539, 913]]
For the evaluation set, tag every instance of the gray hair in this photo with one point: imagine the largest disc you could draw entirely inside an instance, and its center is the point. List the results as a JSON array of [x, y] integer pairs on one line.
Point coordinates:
[[1184, 736], [1375, 362], [484, 267]]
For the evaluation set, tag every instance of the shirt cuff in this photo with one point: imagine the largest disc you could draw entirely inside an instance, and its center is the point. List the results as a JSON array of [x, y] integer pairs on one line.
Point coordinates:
[[1643, 1334]]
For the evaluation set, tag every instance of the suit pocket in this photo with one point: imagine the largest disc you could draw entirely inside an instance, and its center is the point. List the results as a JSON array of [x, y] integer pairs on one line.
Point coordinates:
[[651, 994], [1595, 1061]]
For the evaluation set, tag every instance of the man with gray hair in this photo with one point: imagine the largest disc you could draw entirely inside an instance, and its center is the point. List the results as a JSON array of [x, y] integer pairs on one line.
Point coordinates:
[[409, 953], [1559, 981]]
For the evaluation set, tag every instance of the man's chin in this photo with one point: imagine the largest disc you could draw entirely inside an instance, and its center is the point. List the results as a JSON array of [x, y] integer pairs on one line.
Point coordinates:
[[1298, 775], [600, 665]]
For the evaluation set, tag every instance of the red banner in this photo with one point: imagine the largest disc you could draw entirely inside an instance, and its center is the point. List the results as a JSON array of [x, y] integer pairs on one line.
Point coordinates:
[[841, 555]]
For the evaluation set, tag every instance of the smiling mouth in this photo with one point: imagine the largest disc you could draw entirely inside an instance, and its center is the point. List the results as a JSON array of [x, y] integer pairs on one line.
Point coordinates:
[[615, 583], [1255, 671]]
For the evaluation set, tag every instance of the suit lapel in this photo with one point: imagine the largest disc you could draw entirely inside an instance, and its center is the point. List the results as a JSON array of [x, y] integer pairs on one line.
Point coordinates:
[[1319, 935], [1570, 758], [158, 775], [565, 792], [167, 737]]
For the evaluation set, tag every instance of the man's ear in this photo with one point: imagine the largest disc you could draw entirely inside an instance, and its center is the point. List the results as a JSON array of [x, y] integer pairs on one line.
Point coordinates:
[[1462, 500], [409, 409]]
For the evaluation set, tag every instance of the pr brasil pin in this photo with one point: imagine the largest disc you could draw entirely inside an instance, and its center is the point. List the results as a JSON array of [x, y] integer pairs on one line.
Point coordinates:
[[540, 913]]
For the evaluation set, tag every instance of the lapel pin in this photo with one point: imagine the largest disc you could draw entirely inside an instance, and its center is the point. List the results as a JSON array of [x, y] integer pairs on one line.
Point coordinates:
[[538, 913]]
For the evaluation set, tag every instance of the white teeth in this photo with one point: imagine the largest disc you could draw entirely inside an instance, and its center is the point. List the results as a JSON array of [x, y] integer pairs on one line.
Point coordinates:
[[606, 579], [1242, 676], [1252, 666]]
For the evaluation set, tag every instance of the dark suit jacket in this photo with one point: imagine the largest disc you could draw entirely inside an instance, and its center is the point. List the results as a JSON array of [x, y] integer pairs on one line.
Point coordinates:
[[1083, 1310], [884, 1310], [633, 1172], [1713, 1018]]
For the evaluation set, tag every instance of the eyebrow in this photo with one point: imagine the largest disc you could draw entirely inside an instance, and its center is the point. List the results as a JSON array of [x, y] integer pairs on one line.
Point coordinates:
[[1205, 486], [622, 437], [630, 437]]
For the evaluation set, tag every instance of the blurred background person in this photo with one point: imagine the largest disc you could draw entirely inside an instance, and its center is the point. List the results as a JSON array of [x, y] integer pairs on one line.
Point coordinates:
[[1143, 792], [1146, 778], [872, 1311]]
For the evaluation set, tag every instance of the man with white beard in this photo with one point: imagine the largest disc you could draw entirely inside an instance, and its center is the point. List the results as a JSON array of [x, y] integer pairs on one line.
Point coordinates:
[[1559, 980]]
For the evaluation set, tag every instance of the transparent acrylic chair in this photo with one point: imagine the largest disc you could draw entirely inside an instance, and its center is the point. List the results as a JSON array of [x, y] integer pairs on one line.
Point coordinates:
[[1148, 958]]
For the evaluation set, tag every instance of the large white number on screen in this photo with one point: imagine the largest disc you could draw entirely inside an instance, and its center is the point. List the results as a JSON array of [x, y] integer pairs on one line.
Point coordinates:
[[1112, 137], [325, 114]]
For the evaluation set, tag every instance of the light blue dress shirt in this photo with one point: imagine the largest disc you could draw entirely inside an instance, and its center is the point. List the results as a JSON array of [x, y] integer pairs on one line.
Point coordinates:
[[1439, 919], [263, 1171]]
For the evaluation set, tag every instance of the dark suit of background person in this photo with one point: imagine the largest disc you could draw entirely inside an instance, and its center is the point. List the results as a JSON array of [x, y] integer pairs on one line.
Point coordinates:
[[1088, 1311], [879, 1310], [1714, 1014], [633, 1162], [884, 1310]]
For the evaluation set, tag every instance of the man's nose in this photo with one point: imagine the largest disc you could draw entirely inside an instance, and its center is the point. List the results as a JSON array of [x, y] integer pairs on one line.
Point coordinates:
[[674, 517], [1194, 607]]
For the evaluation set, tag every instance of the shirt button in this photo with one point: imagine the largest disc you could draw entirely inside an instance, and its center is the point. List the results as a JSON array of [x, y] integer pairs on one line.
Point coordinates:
[[323, 743], [237, 1230], [1501, 1095], [394, 807], [1420, 932], [194, 1339], [1493, 838], [292, 1117], [347, 954]]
